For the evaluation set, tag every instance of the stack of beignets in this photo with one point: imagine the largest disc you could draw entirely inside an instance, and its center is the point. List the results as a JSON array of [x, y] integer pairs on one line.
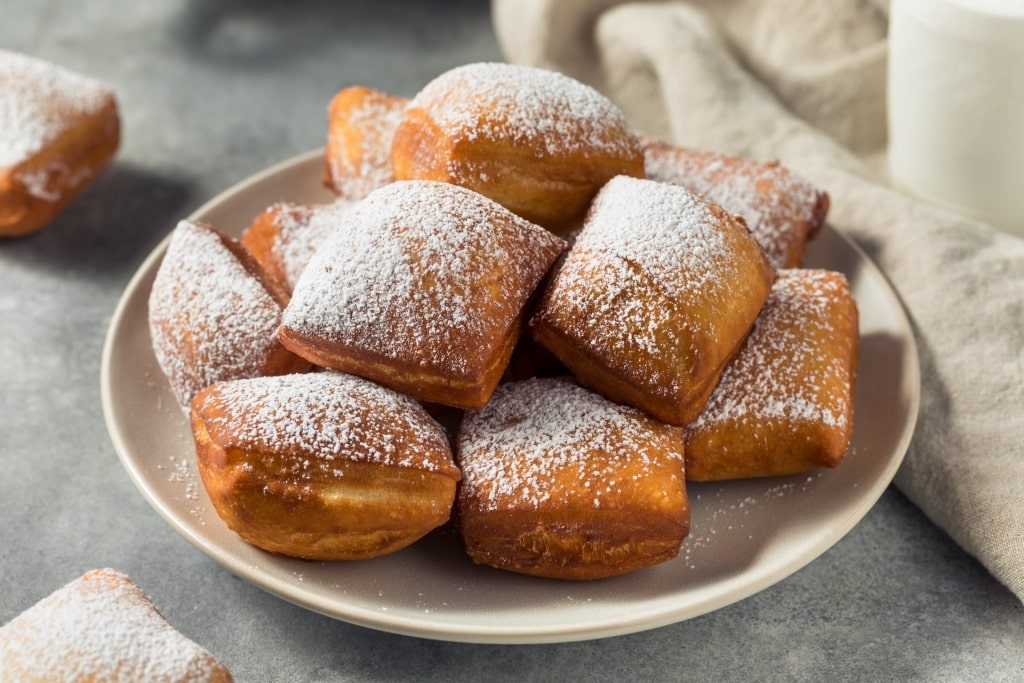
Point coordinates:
[[670, 345], [58, 130], [423, 289]]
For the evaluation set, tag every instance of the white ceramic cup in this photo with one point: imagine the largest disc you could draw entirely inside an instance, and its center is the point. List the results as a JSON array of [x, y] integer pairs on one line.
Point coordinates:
[[956, 106]]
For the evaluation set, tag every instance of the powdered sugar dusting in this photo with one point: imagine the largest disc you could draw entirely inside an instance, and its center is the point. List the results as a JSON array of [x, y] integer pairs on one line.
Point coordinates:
[[602, 320], [638, 232], [540, 430], [781, 372], [663, 227], [301, 231], [372, 122], [38, 102], [531, 107], [210, 319], [312, 421], [101, 627], [720, 517], [421, 268], [780, 207]]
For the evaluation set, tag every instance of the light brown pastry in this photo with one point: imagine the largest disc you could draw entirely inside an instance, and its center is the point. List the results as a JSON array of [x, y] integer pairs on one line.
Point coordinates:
[[785, 403], [213, 314], [562, 483], [361, 124], [322, 466], [658, 292], [58, 130], [284, 237], [783, 210], [538, 142], [101, 627], [423, 289]]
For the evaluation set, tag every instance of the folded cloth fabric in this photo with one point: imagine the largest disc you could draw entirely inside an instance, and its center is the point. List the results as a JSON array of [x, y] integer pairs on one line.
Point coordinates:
[[803, 81]]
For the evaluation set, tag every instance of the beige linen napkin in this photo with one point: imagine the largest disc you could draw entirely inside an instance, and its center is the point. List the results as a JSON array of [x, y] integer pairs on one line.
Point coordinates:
[[804, 81]]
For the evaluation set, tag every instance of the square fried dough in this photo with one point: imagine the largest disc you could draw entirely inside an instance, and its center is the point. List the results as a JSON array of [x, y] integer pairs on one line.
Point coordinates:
[[562, 483], [423, 289], [657, 293], [785, 403]]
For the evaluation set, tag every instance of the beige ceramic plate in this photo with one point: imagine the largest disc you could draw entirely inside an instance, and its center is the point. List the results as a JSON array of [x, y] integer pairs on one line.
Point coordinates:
[[745, 535]]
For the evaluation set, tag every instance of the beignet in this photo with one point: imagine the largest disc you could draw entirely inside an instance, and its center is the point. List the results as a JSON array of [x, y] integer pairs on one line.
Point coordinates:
[[782, 209], [538, 142], [101, 627], [423, 289], [361, 125], [58, 130], [785, 403], [658, 292], [284, 237], [562, 483], [323, 465], [213, 314]]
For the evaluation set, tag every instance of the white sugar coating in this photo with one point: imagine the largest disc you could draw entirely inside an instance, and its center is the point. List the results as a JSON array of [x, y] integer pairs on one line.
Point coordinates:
[[643, 230], [778, 205], [602, 320], [315, 420], [671, 233], [531, 431], [779, 373], [421, 268], [535, 108], [101, 627], [38, 102], [210, 319], [302, 230], [376, 119]]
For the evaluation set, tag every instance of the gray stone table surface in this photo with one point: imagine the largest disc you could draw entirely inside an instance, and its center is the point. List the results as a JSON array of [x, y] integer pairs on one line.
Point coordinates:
[[212, 91]]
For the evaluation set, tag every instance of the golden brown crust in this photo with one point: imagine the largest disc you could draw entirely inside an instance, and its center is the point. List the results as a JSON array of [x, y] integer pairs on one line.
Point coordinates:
[[537, 142], [361, 124], [457, 385], [785, 403], [322, 466], [424, 291], [262, 236], [102, 627], [655, 297], [561, 483], [284, 237], [424, 288], [59, 132], [783, 210]]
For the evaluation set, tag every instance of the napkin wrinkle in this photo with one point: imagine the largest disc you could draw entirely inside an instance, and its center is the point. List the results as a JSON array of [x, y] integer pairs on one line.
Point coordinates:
[[705, 98], [803, 81], [962, 284], [552, 35], [835, 62]]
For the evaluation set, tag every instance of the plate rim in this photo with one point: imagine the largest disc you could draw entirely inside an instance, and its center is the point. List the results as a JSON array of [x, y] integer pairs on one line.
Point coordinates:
[[476, 633]]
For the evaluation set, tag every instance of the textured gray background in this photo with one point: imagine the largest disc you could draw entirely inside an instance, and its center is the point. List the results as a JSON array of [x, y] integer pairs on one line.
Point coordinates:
[[212, 91]]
